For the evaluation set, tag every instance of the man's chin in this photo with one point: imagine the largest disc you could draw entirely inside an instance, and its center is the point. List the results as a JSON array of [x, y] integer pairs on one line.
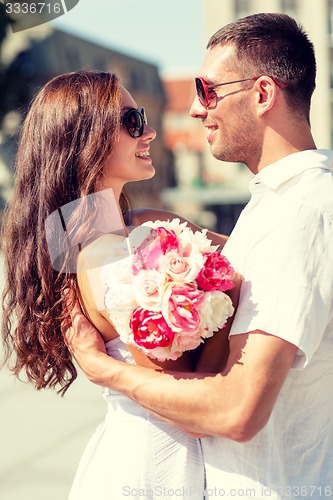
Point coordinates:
[[223, 156], [219, 155]]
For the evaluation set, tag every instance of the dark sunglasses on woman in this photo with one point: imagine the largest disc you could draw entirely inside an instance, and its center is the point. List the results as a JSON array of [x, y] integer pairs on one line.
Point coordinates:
[[135, 121]]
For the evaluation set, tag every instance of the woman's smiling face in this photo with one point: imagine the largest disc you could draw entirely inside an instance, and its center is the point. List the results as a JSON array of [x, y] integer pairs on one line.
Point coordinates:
[[129, 160]]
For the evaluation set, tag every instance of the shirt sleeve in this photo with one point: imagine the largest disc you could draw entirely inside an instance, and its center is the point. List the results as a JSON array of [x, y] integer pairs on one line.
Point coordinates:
[[287, 287]]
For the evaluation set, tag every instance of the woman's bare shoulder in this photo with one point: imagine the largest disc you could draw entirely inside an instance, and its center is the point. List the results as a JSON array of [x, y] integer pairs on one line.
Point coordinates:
[[98, 251]]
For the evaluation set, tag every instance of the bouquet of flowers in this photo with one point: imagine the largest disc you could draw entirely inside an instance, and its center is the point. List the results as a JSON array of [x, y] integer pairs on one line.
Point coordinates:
[[168, 294]]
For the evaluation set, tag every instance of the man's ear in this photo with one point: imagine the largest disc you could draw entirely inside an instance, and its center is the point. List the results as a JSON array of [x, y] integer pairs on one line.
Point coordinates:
[[267, 92]]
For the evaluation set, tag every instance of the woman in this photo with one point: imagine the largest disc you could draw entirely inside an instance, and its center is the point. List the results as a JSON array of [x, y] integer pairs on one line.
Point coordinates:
[[83, 134]]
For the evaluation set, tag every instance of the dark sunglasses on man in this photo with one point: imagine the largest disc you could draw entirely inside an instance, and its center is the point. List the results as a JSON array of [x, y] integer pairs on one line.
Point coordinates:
[[135, 121]]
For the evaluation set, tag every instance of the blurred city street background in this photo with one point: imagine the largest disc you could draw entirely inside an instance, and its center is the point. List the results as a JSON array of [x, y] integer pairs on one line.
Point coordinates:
[[42, 435], [156, 50]]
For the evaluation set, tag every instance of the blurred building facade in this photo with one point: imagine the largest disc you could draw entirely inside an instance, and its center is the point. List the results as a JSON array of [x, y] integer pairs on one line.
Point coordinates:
[[39, 57]]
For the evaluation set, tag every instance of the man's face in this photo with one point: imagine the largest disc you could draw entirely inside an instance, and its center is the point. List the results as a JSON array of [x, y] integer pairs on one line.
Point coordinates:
[[230, 119]]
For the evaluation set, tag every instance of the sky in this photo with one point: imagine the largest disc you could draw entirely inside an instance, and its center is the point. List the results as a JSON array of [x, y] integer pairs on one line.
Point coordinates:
[[168, 33]]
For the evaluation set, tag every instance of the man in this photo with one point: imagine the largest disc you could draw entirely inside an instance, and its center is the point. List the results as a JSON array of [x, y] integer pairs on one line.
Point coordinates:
[[270, 412]]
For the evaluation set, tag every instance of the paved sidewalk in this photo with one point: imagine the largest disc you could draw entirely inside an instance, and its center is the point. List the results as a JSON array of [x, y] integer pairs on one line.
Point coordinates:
[[43, 435]]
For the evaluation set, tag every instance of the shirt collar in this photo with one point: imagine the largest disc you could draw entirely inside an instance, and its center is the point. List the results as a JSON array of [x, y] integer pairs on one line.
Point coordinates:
[[275, 174]]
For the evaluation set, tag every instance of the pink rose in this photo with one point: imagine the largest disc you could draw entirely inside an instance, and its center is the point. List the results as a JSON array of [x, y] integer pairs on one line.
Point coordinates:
[[176, 266], [181, 307], [159, 242], [216, 273], [150, 329], [148, 289]]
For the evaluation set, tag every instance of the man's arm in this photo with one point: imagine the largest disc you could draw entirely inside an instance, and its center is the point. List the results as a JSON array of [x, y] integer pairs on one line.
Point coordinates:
[[235, 403]]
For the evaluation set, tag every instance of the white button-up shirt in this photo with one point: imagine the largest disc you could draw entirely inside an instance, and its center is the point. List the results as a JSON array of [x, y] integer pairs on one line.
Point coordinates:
[[282, 244]]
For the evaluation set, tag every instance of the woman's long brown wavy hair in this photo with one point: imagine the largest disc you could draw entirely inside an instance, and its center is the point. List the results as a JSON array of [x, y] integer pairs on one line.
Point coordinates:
[[70, 130]]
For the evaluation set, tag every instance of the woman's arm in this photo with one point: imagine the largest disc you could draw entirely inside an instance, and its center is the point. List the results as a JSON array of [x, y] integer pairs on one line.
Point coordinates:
[[235, 403]]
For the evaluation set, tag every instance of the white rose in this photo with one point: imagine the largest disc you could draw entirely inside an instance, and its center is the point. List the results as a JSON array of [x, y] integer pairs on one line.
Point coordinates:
[[215, 310]]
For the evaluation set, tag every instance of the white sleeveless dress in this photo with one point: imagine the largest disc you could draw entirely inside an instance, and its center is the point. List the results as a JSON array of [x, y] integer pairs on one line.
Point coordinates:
[[134, 455]]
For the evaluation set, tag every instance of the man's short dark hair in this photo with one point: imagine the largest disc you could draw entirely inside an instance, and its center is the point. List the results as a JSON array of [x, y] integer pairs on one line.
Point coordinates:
[[274, 45]]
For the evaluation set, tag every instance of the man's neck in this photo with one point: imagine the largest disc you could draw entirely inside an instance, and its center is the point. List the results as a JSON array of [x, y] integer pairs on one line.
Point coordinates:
[[278, 146]]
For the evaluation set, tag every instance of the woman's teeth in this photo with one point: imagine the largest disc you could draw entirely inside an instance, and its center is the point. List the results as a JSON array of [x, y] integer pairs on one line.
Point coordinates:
[[142, 154]]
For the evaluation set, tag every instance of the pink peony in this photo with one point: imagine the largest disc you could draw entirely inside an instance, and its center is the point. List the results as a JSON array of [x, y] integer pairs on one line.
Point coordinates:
[[168, 239], [150, 329], [158, 243], [181, 307], [216, 273], [187, 341]]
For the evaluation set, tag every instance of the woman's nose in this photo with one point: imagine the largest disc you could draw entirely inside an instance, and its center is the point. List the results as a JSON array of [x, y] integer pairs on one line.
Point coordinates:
[[149, 133]]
